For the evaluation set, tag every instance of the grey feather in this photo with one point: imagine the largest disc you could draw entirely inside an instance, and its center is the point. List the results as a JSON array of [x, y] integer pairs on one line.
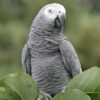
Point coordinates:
[[70, 58], [26, 59]]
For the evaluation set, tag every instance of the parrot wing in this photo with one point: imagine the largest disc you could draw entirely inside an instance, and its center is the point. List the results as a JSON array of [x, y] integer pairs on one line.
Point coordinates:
[[26, 59], [70, 58]]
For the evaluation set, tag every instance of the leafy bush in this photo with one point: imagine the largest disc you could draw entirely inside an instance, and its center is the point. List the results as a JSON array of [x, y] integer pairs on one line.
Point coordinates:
[[20, 86], [86, 83]]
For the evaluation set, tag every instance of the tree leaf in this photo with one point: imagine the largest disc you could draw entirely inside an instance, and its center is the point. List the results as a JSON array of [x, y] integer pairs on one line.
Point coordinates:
[[7, 93], [88, 81], [22, 84], [94, 96], [74, 94]]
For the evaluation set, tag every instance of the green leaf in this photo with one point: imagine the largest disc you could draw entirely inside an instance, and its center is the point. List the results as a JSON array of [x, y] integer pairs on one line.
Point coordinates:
[[95, 96], [88, 81], [7, 93], [74, 94], [22, 84]]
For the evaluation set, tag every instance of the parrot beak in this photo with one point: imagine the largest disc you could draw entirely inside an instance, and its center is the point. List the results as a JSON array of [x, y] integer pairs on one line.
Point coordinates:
[[60, 21]]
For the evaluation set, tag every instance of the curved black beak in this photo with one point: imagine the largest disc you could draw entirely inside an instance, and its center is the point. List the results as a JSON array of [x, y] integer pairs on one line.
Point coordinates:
[[60, 21]]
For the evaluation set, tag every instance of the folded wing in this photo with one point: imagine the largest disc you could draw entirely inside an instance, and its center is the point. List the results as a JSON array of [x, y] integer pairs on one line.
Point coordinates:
[[26, 59], [70, 58]]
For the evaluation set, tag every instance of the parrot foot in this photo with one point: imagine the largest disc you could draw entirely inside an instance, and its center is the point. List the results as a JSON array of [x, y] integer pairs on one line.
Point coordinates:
[[64, 88], [46, 95]]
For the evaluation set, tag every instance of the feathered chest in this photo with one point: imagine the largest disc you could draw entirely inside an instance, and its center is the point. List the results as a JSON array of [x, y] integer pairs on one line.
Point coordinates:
[[40, 46]]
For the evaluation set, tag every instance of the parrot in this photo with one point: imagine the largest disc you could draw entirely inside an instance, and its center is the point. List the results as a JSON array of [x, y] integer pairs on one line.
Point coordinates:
[[48, 56]]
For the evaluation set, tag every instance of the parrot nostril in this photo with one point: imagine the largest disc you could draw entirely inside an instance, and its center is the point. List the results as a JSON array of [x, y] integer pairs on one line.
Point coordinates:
[[59, 11]]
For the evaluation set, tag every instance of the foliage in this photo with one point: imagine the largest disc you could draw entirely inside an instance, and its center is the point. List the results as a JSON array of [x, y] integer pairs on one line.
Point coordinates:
[[20, 86], [86, 83], [74, 94]]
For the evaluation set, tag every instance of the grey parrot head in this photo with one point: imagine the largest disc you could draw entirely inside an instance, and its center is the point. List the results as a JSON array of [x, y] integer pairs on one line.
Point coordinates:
[[51, 18]]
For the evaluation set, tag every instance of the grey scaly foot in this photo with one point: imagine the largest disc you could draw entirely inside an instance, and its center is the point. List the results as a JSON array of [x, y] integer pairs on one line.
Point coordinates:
[[46, 95]]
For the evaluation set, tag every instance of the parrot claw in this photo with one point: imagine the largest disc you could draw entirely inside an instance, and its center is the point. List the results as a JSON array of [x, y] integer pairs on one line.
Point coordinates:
[[46, 96]]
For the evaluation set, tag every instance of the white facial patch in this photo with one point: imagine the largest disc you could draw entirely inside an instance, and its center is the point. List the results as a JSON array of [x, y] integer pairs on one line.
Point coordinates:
[[53, 10], [50, 13]]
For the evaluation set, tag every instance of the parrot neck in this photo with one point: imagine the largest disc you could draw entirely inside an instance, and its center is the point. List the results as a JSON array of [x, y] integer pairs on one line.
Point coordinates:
[[36, 34], [43, 33]]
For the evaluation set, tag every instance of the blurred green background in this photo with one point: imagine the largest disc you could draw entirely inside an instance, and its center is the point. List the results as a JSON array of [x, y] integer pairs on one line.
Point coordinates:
[[82, 29]]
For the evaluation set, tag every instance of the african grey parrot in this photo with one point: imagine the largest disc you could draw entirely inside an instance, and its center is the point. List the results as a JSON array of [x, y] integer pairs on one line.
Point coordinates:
[[48, 56]]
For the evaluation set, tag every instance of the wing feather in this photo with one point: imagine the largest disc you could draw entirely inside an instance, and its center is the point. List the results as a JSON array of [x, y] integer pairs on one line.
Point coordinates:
[[70, 58], [26, 59]]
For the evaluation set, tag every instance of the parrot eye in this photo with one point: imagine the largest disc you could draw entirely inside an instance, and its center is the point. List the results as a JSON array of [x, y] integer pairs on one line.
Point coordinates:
[[59, 11], [50, 11]]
